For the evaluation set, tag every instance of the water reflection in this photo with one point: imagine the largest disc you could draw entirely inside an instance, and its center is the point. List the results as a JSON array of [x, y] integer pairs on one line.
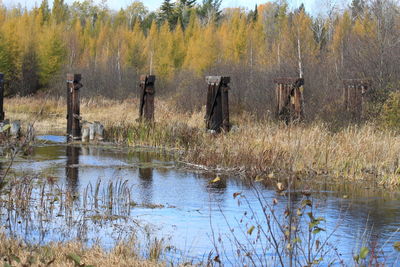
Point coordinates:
[[72, 168], [184, 201], [145, 176]]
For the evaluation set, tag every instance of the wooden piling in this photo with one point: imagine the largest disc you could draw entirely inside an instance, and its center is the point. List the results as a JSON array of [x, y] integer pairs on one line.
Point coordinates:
[[289, 99], [217, 107], [2, 117], [147, 91], [354, 91], [73, 107]]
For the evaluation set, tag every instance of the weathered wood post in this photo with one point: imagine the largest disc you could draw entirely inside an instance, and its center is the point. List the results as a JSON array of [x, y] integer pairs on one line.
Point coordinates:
[[289, 99], [1, 97], [73, 107], [217, 108], [354, 91], [147, 91]]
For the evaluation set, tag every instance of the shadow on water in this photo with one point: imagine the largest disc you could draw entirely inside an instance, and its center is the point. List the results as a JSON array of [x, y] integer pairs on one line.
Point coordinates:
[[145, 176]]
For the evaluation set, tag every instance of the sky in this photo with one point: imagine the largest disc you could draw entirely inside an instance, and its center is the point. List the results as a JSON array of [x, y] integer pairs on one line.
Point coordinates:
[[311, 5]]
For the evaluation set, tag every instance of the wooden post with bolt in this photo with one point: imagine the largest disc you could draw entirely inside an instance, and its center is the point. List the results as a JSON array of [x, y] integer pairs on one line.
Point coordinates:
[[147, 91], [73, 107], [289, 99], [217, 108], [1, 97]]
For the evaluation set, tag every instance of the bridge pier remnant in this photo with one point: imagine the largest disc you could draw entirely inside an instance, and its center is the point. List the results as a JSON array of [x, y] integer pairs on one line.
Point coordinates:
[[147, 91], [217, 108], [73, 107], [289, 99]]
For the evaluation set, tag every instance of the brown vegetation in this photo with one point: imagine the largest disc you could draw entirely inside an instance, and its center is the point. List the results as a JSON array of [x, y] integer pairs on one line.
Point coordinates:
[[254, 147]]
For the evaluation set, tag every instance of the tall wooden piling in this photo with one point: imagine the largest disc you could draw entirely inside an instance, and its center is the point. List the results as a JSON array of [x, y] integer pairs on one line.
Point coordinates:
[[354, 91], [147, 91], [217, 107], [2, 97], [73, 107], [289, 100]]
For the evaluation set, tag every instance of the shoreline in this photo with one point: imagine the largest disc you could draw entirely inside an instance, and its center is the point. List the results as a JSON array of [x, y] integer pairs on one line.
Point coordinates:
[[256, 148]]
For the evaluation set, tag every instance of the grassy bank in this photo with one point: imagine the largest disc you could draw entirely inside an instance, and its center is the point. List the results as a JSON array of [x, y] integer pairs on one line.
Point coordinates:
[[256, 148], [17, 253]]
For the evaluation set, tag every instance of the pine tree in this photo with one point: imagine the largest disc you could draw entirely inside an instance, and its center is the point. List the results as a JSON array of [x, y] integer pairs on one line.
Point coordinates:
[[168, 13], [210, 10]]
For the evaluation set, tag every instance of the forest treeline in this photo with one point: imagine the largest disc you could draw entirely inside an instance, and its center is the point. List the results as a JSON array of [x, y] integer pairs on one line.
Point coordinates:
[[185, 40]]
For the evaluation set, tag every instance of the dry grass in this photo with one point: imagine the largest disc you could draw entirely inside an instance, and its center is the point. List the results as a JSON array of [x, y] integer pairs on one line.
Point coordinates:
[[17, 253], [258, 148]]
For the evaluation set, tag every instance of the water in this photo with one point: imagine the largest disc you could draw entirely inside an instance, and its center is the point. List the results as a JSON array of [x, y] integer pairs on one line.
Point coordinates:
[[151, 196]]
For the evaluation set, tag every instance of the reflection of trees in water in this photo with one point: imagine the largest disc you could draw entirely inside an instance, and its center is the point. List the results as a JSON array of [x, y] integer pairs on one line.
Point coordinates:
[[72, 168], [145, 176]]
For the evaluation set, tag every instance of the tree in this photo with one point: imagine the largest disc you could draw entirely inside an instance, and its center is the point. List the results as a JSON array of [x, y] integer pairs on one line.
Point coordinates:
[[136, 11], [45, 11], [357, 8], [30, 77], [184, 10], [210, 11], [168, 14], [52, 54], [60, 11], [136, 58]]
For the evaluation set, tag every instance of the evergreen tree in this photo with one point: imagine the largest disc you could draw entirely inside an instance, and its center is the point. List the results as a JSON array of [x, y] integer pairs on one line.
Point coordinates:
[[210, 10], [168, 13]]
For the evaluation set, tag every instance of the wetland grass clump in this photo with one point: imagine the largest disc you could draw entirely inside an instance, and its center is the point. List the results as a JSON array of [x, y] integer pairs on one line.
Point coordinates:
[[256, 148], [17, 253]]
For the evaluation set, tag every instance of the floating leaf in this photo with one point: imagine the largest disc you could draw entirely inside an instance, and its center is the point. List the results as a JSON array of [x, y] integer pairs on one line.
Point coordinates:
[[216, 180], [251, 229], [364, 252], [306, 202], [6, 127], [216, 259], [280, 187], [299, 213], [356, 258], [317, 230], [235, 195], [259, 179], [397, 246]]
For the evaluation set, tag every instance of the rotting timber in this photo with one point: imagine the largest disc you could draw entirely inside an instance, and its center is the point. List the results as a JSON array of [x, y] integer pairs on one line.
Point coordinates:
[[289, 99], [73, 107], [147, 91], [354, 91], [217, 108]]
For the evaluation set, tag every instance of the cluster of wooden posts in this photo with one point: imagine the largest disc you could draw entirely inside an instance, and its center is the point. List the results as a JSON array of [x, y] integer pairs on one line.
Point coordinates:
[[289, 101]]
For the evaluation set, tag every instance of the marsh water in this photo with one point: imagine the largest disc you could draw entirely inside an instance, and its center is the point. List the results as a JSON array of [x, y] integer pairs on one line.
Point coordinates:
[[102, 195]]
